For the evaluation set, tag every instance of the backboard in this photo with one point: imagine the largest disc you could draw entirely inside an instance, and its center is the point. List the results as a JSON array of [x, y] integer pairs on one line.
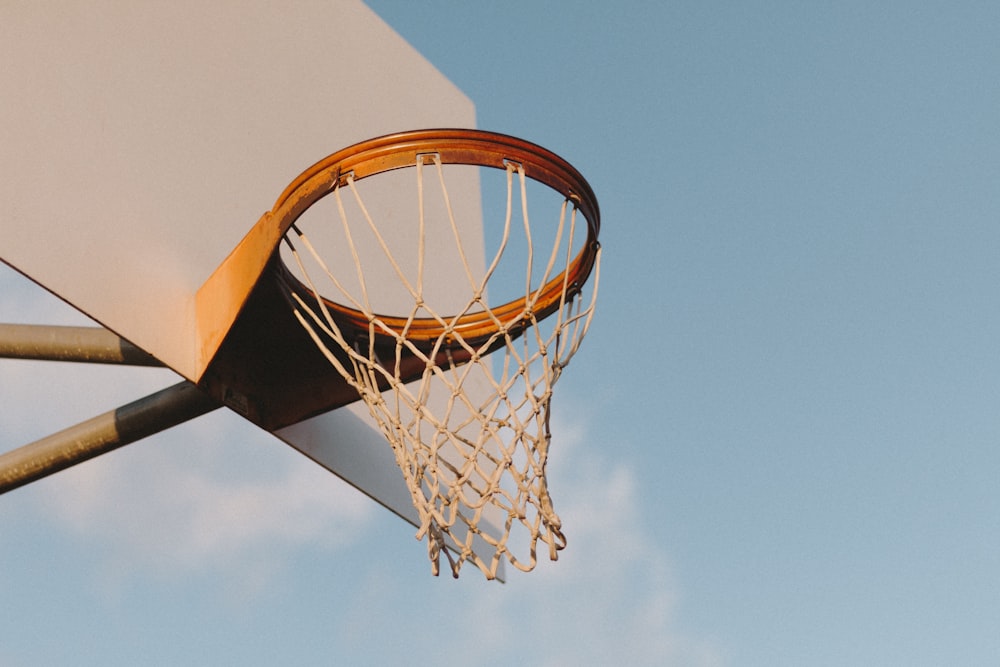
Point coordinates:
[[142, 141]]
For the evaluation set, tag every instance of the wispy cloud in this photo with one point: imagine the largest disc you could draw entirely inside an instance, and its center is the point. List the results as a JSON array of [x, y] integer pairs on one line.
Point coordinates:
[[611, 597], [203, 496], [189, 502]]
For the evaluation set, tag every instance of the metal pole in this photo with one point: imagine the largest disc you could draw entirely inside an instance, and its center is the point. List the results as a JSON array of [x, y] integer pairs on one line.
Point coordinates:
[[146, 416], [55, 343]]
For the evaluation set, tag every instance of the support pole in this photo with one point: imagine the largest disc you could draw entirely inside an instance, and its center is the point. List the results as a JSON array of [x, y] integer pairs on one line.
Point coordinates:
[[146, 416], [55, 343]]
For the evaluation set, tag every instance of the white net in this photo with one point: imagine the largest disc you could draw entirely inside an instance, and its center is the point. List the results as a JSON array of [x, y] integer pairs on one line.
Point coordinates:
[[465, 408]]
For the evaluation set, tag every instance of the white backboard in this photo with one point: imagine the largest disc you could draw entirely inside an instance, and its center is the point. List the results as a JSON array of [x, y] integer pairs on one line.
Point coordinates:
[[141, 141]]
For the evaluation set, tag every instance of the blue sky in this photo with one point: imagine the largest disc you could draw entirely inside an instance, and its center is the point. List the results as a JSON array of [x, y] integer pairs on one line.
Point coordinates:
[[777, 446]]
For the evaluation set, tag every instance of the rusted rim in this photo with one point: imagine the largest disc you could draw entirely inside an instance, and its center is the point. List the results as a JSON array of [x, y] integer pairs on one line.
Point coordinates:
[[454, 146]]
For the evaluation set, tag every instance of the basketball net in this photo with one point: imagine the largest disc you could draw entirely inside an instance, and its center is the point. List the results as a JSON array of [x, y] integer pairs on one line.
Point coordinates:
[[474, 467]]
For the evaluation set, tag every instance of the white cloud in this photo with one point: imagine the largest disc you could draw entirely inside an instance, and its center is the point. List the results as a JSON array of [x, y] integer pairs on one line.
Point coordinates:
[[200, 497], [213, 496], [610, 599]]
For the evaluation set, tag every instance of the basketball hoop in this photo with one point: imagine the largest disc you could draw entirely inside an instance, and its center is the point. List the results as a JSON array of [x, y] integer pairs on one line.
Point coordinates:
[[474, 462]]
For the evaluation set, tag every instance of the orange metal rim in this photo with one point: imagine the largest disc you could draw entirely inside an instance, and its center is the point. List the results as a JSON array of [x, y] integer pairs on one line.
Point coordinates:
[[453, 146]]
